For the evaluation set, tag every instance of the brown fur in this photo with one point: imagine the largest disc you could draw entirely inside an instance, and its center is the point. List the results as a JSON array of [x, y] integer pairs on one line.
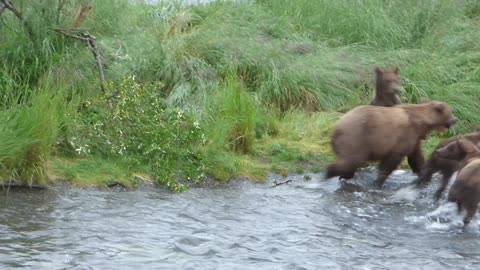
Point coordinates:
[[387, 87], [446, 166], [386, 95], [385, 134], [465, 191]]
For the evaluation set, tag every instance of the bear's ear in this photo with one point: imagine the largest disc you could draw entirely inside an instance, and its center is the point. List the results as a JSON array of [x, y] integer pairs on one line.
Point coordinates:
[[467, 146], [438, 107], [396, 70], [443, 151], [378, 71]]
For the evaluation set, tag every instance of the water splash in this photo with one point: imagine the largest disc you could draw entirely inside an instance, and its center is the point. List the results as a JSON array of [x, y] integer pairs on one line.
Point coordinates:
[[405, 195]]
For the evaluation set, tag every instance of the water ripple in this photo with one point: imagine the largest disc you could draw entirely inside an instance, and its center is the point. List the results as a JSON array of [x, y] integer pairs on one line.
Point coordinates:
[[313, 224]]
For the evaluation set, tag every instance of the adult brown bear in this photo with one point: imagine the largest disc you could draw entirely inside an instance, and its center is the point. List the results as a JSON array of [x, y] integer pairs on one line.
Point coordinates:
[[446, 166], [387, 86], [465, 191], [385, 134]]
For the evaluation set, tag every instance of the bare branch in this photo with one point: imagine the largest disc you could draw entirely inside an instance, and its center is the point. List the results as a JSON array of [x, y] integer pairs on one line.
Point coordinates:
[[2, 8], [98, 59], [91, 42], [66, 33], [7, 5]]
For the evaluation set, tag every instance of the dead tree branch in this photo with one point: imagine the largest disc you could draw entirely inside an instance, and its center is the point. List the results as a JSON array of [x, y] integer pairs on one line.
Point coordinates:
[[276, 184], [91, 43], [2, 8], [85, 37], [98, 58], [7, 5]]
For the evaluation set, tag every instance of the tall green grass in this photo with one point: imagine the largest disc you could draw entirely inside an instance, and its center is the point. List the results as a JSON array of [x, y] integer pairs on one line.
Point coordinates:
[[28, 133], [319, 55], [234, 121]]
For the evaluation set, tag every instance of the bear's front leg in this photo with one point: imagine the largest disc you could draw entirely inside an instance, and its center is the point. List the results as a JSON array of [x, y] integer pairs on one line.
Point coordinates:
[[416, 160], [386, 167]]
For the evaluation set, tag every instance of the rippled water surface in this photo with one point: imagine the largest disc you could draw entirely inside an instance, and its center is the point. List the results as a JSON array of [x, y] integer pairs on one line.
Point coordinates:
[[301, 225]]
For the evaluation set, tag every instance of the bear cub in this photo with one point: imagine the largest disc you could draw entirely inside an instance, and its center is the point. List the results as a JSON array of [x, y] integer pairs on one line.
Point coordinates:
[[446, 166], [387, 87], [465, 191]]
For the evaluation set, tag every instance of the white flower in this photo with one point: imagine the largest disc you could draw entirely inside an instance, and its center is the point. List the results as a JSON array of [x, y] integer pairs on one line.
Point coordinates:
[[180, 114]]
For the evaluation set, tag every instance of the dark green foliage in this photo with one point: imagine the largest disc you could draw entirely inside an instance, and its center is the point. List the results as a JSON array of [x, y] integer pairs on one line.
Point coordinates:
[[137, 126]]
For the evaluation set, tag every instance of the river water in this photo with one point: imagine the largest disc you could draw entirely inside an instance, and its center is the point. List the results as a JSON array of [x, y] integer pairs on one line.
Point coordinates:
[[313, 224]]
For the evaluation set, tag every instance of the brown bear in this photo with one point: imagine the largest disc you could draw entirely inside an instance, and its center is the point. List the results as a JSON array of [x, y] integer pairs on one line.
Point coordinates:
[[446, 166], [387, 86], [465, 191], [386, 95], [385, 134]]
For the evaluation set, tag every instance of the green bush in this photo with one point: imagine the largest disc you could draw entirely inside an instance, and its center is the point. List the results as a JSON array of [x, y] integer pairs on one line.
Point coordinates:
[[131, 121]]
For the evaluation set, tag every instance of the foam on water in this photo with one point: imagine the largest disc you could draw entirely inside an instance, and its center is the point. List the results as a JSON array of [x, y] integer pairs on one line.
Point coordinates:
[[405, 195]]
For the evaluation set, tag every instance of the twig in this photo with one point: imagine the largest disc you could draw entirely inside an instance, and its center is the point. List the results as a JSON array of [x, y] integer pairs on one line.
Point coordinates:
[[66, 33], [7, 5], [276, 184], [114, 184], [91, 42], [2, 8]]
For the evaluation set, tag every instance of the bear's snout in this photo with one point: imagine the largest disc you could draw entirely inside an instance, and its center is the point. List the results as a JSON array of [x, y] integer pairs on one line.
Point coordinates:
[[451, 122]]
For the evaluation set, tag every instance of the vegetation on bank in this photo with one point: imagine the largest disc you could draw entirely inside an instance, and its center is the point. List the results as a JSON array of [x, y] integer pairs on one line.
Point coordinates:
[[219, 90]]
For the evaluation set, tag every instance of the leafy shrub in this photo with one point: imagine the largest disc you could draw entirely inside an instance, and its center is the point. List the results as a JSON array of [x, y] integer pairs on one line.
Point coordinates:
[[130, 120]]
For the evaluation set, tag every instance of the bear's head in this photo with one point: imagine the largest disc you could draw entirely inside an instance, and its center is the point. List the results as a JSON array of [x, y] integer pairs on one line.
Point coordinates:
[[439, 115], [458, 150], [387, 81]]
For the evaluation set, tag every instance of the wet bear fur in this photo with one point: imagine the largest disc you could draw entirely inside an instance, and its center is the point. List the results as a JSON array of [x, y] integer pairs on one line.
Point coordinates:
[[446, 166], [465, 191]]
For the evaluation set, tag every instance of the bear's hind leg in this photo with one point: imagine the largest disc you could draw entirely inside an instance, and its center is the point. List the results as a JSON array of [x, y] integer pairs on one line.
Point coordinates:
[[459, 207], [471, 210], [338, 168], [446, 175], [345, 169]]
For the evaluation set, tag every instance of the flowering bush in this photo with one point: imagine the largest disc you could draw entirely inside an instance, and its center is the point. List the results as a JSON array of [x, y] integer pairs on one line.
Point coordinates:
[[131, 121]]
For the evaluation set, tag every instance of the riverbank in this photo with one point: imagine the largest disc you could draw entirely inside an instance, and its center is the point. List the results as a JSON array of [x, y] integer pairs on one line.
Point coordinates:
[[222, 90]]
